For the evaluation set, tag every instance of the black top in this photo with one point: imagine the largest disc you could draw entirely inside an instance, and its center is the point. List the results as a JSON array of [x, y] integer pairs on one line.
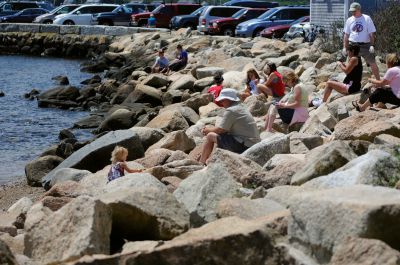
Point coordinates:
[[355, 75]]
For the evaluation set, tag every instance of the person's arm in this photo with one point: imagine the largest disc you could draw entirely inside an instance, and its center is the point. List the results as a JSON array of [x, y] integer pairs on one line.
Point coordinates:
[[372, 38], [379, 83], [155, 63], [130, 170], [216, 130], [297, 100], [346, 41], [270, 79], [350, 66]]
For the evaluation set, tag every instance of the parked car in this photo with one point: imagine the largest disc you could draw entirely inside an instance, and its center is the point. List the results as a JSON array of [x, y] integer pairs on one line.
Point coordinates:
[[117, 2], [48, 18], [214, 12], [280, 30], [24, 16], [163, 14], [186, 21], [275, 16], [252, 4], [227, 26], [120, 16], [12, 7], [83, 14], [73, 2]]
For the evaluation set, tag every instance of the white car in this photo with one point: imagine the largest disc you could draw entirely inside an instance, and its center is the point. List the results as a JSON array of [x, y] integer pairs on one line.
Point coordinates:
[[83, 14]]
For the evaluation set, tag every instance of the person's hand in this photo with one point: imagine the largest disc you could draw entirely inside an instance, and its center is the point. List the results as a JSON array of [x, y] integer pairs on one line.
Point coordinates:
[[204, 131], [371, 49], [280, 105], [344, 52]]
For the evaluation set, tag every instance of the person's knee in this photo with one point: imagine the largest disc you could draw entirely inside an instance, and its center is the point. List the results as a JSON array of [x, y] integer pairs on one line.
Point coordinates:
[[329, 84], [211, 137]]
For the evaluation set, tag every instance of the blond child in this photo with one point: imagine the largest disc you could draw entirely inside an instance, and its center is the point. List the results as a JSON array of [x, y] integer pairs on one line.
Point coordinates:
[[118, 164]]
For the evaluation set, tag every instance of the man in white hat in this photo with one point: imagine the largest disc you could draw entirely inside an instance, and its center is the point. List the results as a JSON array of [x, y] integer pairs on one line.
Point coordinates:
[[360, 29], [237, 130]]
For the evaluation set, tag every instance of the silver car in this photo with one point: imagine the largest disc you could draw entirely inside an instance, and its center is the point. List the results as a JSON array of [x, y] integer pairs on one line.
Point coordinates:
[[214, 12], [48, 18]]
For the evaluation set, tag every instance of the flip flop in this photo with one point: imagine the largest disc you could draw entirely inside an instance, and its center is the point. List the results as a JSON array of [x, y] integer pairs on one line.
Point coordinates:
[[356, 106]]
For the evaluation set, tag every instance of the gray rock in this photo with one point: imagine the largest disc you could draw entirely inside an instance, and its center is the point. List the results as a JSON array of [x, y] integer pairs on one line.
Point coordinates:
[[92, 121], [207, 245], [65, 174], [156, 80], [314, 126], [321, 220], [247, 209], [256, 105], [146, 213], [283, 194], [132, 181], [324, 160], [243, 169], [96, 155], [169, 121], [195, 102], [203, 190], [209, 71], [201, 84], [387, 139], [325, 116], [6, 256], [301, 143], [179, 168], [22, 206], [88, 222], [177, 140], [148, 136], [38, 168], [183, 83], [374, 168], [364, 251], [266, 149]]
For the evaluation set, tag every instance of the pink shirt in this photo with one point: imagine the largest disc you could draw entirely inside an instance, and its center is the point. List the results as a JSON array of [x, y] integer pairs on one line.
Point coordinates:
[[393, 76]]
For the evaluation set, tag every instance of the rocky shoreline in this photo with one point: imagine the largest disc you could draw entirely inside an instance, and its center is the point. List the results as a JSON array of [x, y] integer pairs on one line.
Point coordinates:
[[323, 192]]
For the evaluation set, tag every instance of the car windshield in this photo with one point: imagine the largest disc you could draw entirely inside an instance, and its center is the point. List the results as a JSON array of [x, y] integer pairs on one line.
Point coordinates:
[[157, 10], [124, 9], [239, 13], [198, 11], [268, 13], [56, 9], [297, 21]]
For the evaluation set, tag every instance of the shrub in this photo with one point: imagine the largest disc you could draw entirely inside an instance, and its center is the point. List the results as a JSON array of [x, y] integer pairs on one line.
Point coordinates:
[[332, 40], [387, 29]]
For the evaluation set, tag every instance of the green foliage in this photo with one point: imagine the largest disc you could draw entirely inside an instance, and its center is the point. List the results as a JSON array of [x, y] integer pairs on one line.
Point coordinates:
[[332, 40], [387, 29]]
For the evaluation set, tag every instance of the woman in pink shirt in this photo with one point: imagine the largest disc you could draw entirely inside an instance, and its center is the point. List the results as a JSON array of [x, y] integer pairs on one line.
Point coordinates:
[[384, 94]]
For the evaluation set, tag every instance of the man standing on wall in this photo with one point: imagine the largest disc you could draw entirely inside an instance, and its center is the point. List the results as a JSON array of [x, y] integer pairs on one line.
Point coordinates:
[[360, 29]]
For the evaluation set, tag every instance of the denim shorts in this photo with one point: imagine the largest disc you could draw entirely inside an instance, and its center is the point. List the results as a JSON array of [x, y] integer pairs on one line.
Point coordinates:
[[228, 142]]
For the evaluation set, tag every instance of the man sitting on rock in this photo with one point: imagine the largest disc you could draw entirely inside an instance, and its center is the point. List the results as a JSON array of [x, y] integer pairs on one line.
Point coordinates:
[[181, 60], [161, 63], [237, 130]]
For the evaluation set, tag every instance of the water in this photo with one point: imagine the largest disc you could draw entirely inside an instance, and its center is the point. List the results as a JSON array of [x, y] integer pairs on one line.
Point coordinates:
[[26, 130]]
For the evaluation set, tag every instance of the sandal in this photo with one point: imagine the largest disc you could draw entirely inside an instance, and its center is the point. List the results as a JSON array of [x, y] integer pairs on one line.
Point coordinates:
[[355, 105]]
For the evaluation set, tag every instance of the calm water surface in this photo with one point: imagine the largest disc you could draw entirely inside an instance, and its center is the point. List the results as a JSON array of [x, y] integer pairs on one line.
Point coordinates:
[[25, 129]]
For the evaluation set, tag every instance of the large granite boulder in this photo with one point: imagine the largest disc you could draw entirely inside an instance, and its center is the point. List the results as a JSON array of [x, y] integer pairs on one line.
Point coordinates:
[[156, 80], [133, 181], [177, 140], [168, 121], [96, 155], [323, 160], [38, 168], [6, 256], [203, 190], [88, 222], [266, 149], [376, 167], [321, 220], [148, 136], [146, 214], [67, 174]]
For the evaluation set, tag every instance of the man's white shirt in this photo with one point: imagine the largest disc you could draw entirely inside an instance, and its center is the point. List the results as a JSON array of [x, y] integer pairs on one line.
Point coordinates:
[[359, 28]]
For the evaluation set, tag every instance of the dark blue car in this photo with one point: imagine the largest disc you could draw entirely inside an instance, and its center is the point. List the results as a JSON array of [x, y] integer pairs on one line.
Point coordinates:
[[24, 16], [187, 21], [121, 16], [251, 3]]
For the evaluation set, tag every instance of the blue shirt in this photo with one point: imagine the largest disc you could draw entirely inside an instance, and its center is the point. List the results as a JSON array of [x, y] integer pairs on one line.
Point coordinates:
[[183, 56], [162, 62], [152, 22]]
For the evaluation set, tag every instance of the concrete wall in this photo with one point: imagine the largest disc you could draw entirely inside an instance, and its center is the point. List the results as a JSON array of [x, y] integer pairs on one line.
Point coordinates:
[[77, 30]]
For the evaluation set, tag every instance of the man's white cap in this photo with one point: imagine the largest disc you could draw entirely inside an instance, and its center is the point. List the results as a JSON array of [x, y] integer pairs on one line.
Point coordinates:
[[228, 93], [354, 6]]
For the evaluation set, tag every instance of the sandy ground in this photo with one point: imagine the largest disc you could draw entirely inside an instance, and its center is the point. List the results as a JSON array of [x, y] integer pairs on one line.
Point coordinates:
[[10, 193]]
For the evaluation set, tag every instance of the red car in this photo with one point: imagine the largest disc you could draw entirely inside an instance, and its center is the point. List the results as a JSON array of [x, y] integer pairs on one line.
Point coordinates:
[[280, 30], [163, 14], [226, 26]]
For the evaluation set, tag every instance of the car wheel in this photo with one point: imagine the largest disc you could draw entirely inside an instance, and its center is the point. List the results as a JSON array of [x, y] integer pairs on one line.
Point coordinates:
[[228, 32], [69, 22], [257, 33], [142, 23], [47, 22]]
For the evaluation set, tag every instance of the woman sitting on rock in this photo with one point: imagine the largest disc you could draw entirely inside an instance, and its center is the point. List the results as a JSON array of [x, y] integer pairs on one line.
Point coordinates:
[[353, 70], [253, 79], [118, 164], [215, 89], [388, 90], [292, 108], [274, 85]]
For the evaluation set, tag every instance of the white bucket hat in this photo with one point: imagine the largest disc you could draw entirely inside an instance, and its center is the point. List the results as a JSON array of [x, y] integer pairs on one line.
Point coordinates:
[[228, 93]]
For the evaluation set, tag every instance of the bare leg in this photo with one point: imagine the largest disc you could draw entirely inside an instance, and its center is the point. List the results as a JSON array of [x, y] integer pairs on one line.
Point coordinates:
[[375, 71], [264, 89], [364, 106], [333, 85], [270, 118], [208, 146]]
